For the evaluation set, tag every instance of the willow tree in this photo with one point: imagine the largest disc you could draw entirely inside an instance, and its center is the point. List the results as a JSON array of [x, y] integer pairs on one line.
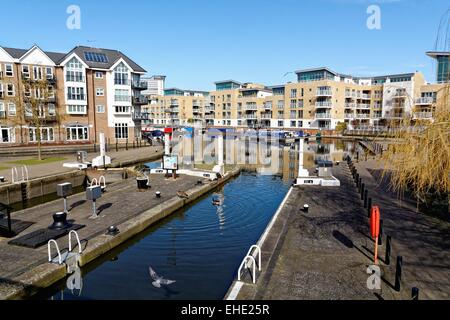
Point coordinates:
[[419, 160]]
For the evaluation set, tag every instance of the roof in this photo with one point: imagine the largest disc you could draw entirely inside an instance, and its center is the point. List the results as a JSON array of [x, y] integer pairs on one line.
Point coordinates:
[[19, 53], [317, 69], [57, 57], [435, 54], [225, 81], [112, 55]]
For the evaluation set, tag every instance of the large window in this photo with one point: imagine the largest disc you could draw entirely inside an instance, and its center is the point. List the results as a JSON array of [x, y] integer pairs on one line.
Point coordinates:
[[121, 130], [9, 71], [121, 75], [122, 95], [26, 72], [75, 93], [121, 109], [10, 92], [77, 109], [46, 134], [2, 110], [77, 133], [37, 73], [12, 109], [74, 71], [2, 93]]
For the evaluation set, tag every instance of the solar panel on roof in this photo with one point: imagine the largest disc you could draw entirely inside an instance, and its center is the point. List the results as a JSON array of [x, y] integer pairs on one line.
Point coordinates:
[[96, 57]]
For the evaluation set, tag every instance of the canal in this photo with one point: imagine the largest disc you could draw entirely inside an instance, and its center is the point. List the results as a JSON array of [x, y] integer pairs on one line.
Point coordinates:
[[200, 246]]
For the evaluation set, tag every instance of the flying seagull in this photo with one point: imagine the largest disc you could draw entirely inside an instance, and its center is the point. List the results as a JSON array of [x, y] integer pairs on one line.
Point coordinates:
[[158, 281]]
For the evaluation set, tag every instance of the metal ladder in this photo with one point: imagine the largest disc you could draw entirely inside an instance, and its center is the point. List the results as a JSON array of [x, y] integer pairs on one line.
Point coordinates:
[[101, 182], [15, 175], [249, 261], [69, 258]]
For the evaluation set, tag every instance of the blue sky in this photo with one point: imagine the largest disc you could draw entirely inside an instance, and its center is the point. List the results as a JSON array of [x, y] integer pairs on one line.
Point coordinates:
[[197, 42]]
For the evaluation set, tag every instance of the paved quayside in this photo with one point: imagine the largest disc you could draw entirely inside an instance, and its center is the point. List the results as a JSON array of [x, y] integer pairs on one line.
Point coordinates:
[[325, 253]]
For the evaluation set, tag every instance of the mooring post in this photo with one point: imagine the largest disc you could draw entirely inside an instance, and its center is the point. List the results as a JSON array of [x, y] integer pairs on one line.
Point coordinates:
[[415, 293], [366, 198], [387, 258], [380, 238], [398, 273]]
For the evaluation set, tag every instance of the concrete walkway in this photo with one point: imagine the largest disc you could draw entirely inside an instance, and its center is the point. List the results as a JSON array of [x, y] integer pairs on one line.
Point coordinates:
[[46, 169], [325, 253]]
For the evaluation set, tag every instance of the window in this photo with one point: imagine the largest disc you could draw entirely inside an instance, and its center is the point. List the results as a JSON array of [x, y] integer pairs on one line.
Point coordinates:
[[49, 73], [293, 123], [6, 135], [77, 133], [121, 130], [280, 104], [12, 109], [121, 75], [28, 110], [10, 92], [99, 75], [100, 92], [51, 110], [293, 103], [95, 57], [280, 123], [76, 109], [75, 93], [50, 92], [121, 109], [2, 93], [293, 93], [26, 72], [300, 103], [100, 109], [9, 72], [121, 95], [46, 134], [2, 110], [37, 73], [74, 71]]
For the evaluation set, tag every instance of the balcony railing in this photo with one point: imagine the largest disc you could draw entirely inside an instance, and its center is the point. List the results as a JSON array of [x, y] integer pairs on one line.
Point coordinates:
[[140, 100], [266, 116], [139, 116], [324, 92], [324, 104], [349, 115], [250, 107], [122, 98], [362, 106], [209, 109], [323, 115], [139, 85], [362, 116], [174, 103], [422, 115], [349, 94], [424, 101], [250, 116], [209, 116], [350, 105], [364, 96], [174, 110], [267, 106]]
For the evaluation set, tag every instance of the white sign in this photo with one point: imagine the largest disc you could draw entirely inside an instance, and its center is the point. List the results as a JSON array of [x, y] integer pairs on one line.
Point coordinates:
[[170, 163]]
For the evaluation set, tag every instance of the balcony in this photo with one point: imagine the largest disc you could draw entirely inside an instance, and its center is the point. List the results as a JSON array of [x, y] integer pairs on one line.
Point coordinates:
[[324, 92], [322, 115], [363, 106], [140, 100], [395, 116], [174, 110], [139, 85], [267, 106], [422, 115], [400, 94], [362, 116], [196, 104], [350, 95], [251, 116], [210, 109], [364, 96], [350, 105], [250, 107], [349, 115], [121, 82], [424, 101], [266, 116], [139, 116], [174, 103], [209, 116], [324, 104]]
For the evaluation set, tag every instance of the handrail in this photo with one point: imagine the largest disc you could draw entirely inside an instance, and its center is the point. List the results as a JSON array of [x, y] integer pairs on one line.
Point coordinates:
[[57, 250], [78, 240], [245, 262], [92, 182], [255, 246], [102, 178]]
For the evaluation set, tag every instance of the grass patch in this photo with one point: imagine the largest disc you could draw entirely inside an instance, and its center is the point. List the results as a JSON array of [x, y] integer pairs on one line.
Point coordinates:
[[31, 162], [4, 168]]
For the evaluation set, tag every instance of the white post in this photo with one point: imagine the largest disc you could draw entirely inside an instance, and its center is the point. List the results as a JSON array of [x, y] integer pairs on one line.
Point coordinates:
[[167, 144], [220, 150], [302, 172], [102, 144]]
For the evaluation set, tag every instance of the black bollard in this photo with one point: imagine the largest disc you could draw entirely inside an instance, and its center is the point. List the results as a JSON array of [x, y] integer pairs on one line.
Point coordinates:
[[363, 189], [369, 207], [366, 197], [380, 238], [126, 145], [415, 293], [117, 146], [398, 273], [387, 258]]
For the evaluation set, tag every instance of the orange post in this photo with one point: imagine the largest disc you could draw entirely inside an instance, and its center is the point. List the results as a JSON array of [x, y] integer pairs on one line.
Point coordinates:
[[375, 229]]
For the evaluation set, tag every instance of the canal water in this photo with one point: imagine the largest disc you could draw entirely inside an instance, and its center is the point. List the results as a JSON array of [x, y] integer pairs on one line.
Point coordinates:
[[200, 246]]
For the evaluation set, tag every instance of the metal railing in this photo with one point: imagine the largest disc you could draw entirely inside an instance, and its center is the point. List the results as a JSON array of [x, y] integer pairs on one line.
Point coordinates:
[[245, 262], [424, 101]]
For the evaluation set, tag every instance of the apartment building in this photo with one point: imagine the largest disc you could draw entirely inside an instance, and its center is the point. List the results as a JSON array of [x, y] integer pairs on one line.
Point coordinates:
[[155, 85], [177, 107], [90, 90]]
